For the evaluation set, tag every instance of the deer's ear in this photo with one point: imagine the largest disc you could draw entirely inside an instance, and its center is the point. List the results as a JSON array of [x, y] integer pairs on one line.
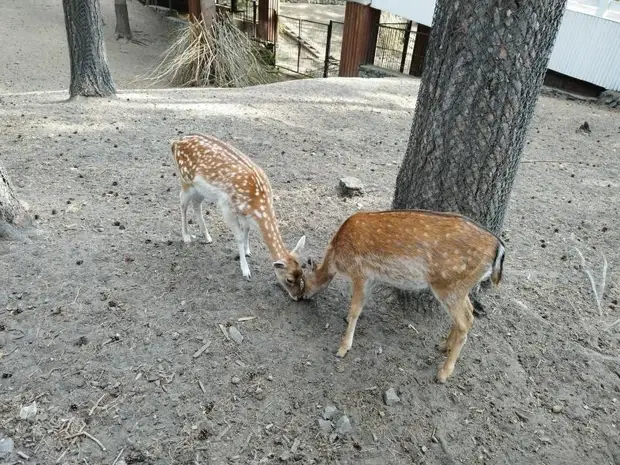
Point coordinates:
[[299, 248], [279, 264]]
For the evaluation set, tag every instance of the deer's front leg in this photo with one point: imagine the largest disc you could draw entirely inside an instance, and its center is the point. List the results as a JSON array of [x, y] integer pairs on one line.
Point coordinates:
[[357, 303], [234, 225]]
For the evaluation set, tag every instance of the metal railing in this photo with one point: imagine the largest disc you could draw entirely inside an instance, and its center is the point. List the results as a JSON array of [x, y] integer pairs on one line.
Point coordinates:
[[395, 47], [307, 47]]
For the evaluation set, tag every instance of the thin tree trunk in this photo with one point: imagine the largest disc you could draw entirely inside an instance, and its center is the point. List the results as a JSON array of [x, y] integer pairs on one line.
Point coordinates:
[[12, 213], [483, 70], [207, 9], [90, 75], [123, 29]]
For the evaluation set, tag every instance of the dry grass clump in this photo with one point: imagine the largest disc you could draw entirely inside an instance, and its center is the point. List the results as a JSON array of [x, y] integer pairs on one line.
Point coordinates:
[[218, 55]]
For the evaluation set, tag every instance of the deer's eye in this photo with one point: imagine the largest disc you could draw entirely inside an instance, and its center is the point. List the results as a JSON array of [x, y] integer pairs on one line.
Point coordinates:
[[290, 280]]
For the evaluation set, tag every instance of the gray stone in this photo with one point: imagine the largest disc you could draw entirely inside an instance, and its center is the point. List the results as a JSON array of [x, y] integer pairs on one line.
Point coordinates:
[[330, 412], [325, 426], [6, 447], [235, 380], [343, 426], [286, 456], [390, 397], [610, 98], [235, 335], [350, 186], [557, 409]]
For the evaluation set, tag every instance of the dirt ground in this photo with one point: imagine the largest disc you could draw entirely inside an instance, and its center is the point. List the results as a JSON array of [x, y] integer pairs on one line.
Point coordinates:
[[104, 314]]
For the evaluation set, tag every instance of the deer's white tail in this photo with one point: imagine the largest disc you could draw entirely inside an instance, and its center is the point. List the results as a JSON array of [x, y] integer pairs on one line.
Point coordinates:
[[498, 263]]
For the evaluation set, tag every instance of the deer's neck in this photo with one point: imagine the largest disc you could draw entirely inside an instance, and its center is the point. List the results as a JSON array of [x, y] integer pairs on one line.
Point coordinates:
[[268, 227], [323, 275]]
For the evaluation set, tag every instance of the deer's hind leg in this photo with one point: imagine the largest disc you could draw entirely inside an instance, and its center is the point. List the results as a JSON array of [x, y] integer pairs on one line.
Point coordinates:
[[461, 311], [197, 203], [186, 195]]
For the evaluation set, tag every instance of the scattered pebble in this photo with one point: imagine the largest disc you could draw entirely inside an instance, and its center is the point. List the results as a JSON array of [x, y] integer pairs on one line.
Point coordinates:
[[325, 426], [557, 409], [28, 412], [330, 412], [350, 186], [6, 447], [390, 397], [235, 335], [235, 380], [343, 425], [585, 127]]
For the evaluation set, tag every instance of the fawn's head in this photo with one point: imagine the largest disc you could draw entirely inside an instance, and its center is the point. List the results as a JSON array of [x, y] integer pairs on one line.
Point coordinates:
[[313, 283], [290, 270]]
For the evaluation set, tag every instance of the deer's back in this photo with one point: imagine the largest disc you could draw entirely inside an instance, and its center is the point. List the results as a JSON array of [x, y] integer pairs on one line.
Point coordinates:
[[412, 249], [223, 170]]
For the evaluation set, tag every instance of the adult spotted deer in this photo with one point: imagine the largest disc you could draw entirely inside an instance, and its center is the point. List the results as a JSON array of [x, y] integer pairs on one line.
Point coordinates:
[[412, 250], [216, 172]]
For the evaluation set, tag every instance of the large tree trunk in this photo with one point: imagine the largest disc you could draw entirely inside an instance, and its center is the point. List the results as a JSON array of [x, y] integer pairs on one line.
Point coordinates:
[[483, 70], [90, 75], [123, 29], [12, 213]]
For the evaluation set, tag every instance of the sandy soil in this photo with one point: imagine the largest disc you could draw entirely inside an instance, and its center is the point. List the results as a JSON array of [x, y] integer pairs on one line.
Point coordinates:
[[101, 316], [36, 57]]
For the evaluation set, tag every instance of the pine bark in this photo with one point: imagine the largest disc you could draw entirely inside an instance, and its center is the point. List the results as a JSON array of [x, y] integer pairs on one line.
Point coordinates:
[[483, 70], [90, 75]]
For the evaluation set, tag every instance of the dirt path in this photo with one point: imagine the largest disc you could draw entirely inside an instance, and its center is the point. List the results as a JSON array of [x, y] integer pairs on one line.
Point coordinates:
[[36, 57], [101, 317]]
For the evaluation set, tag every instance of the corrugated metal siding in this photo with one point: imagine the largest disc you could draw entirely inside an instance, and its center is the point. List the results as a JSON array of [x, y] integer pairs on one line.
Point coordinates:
[[588, 48]]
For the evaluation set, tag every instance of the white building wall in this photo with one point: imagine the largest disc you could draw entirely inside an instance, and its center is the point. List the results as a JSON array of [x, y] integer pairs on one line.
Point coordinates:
[[587, 46]]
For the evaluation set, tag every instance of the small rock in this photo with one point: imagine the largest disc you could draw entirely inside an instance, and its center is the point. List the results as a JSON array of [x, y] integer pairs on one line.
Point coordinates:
[[330, 412], [350, 186], [390, 397], [286, 456], [585, 127], [6, 447], [235, 335], [325, 426], [557, 409], [235, 380], [28, 412], [424, 449], [343, 425], [2, 340]]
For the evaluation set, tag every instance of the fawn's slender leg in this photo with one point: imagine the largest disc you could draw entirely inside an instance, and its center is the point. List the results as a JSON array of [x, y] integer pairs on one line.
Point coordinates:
[[235, 226], [357, 303], [461, 311], [186, 196], [197, 202], [245, 227], [444, 345]]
